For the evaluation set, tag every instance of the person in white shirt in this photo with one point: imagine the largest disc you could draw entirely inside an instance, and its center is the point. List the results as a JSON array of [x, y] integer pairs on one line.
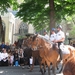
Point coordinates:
[[52, 36], [46, 36], [4, 57], [60, 37]]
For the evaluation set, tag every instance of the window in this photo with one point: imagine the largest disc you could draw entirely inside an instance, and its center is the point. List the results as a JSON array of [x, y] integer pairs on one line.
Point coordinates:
[[23, 28]]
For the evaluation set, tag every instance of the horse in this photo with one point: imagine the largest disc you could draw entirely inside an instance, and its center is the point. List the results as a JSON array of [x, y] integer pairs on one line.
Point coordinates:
[[69, 64], [29, 52], [47, 53]]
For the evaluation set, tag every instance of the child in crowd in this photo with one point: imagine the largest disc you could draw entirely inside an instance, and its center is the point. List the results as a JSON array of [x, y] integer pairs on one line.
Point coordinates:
[[11, 59], [31, 61]]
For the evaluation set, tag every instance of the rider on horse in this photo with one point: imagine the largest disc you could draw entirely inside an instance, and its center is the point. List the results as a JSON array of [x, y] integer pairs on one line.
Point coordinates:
[[60, 37], [52, 36], [46, 36]]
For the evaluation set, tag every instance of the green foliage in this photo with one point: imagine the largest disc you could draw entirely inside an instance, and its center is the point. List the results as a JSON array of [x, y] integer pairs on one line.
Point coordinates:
[[72, 32], [36, 12], [4, 4]]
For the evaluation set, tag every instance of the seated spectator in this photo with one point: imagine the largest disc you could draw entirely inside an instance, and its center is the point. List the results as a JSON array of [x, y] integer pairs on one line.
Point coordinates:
[[11, 59], [4, 58], [0, 58], [16, 57]]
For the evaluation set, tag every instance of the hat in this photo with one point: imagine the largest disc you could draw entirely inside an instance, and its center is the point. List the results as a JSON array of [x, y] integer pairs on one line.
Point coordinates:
[[53, 29], [59, 26], [45, 31]]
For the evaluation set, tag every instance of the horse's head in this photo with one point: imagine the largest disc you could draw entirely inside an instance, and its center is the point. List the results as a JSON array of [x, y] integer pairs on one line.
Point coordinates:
[[35, 42], [26, 42]]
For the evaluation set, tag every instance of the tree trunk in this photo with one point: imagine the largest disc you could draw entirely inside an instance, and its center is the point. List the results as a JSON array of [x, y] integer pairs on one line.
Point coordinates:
[[52, 14], [0, 24], [0, 28]]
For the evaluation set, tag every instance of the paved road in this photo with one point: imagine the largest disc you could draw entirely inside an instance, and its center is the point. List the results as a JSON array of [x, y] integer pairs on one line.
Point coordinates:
[[20, 71]]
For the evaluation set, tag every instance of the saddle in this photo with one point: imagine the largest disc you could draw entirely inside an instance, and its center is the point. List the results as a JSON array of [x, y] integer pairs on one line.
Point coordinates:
[[64, 49]]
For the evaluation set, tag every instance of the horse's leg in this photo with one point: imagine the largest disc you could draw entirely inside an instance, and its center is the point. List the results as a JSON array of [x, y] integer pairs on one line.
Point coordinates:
[[44, 67], [48, 64], [42, 62], [61, 68], [41, 70], [53, 68]]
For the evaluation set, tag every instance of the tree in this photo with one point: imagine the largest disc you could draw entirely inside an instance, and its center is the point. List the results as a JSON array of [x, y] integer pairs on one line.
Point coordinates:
[[45, 13], [72, 32], [4, 4]]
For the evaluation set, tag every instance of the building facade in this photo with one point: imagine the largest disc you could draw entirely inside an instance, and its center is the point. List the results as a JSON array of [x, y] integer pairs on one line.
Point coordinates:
[[13, 27]]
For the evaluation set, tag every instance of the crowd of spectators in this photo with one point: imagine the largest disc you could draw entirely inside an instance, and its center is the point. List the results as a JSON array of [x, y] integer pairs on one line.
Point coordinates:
[[10, 55]]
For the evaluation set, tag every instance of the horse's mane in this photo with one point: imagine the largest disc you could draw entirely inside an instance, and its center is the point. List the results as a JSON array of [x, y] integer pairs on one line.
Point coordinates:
[[47, 43], [34, 37], [42, 37], [54, 47]]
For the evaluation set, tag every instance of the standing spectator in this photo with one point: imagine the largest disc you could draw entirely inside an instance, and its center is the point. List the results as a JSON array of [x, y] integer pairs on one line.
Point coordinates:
[[2, 45], [21, 57], [31, 61], [7, 46], [16, 43]]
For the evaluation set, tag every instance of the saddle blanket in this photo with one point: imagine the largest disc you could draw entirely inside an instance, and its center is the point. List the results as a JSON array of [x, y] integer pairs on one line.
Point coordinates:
[[64, 49]]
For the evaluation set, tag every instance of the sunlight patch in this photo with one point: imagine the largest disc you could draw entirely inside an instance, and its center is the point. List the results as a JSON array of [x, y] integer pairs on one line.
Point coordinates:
[[1, 71]]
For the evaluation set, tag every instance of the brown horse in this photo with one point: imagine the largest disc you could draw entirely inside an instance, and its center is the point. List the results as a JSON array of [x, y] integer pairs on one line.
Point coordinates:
[[47, 53], [30, 52], [69, 64]]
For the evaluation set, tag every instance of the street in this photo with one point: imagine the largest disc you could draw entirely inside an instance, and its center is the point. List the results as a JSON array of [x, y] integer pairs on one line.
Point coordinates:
[[19, 71]]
